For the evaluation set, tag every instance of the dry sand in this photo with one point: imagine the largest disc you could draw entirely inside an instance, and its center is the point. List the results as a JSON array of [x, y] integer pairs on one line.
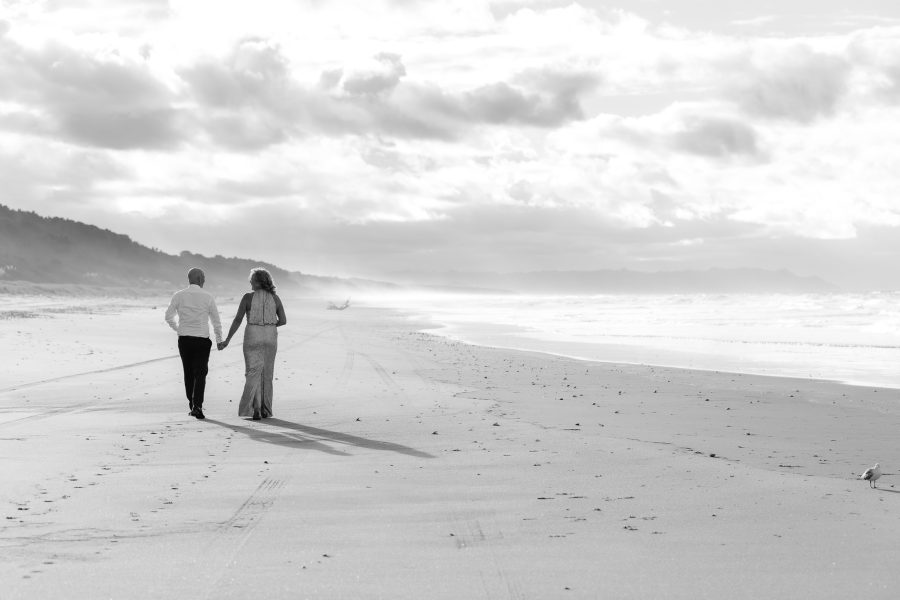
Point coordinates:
[[404, 465]]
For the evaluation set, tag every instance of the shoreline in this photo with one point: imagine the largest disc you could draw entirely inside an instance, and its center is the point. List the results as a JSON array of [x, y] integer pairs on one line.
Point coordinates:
[[662, 365], [644, 355], [403, 464], [844, 337]]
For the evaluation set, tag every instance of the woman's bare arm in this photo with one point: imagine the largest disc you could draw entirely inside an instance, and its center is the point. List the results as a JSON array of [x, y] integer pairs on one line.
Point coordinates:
[[279, 310], [243, 307]]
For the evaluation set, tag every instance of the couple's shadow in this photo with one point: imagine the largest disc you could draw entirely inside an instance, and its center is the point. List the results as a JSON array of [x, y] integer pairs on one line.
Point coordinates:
[[286, 433]]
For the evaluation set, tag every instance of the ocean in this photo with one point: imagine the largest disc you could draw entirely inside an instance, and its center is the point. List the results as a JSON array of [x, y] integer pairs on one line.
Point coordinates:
[[852, 338]]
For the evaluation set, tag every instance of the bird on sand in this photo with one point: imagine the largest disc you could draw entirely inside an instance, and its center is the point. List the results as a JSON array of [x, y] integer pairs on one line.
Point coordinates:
[[871, 475]]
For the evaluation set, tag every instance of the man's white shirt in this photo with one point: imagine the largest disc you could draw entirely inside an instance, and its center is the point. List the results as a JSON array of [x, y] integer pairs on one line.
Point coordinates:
[[195, 308]]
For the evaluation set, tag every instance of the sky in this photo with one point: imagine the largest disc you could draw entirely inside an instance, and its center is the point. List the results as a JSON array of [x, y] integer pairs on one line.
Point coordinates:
[[366, 139]]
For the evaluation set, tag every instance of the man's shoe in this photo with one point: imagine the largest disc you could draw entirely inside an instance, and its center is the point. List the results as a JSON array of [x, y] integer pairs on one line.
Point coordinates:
[[198, 412]]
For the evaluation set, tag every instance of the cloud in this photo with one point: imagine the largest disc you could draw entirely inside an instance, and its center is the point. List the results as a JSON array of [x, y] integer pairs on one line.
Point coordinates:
[[143, 9], [255, 73], [248, 100], [245, 130], [104, 101], [251, 99], [716, 137], [796, 84], [147, 128], [877, 52], [547, 99], [57, 179], [380, 77]]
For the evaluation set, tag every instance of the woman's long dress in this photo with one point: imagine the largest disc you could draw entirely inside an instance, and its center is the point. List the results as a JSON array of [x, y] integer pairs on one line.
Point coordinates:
[[260, 345]]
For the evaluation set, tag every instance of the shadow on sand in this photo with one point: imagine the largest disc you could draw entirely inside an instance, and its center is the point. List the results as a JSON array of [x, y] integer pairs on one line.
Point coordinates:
[[286, 433]]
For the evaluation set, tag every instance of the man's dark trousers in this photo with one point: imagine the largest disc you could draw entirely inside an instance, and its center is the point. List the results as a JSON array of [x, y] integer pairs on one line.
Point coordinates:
[[194, 353]]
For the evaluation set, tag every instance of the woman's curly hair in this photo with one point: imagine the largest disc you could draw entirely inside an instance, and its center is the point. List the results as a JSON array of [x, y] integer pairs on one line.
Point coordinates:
[[262, 279]]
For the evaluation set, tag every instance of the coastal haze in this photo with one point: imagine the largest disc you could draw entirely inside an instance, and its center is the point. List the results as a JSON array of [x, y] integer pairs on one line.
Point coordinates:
[[619, 312]]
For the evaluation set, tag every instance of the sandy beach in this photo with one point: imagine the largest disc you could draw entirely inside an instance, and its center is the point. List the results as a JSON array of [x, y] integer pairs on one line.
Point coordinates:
[[400, 464]]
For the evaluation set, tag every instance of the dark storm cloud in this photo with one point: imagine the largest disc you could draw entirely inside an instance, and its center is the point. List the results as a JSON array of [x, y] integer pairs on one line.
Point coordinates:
[[717, 138], [104, 102], [801, 86]]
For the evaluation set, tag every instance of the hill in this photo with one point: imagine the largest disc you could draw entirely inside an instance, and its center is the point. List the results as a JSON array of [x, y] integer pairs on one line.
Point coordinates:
[[51, 250]]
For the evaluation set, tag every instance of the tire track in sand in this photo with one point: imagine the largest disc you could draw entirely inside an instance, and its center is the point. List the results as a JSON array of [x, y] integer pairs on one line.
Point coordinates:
[[30, 384], [382, 373], [231, 536], [251, 511]]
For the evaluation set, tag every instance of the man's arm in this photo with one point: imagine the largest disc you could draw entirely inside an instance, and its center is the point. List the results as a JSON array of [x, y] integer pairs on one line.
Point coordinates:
[[171, 312], [216, 321]]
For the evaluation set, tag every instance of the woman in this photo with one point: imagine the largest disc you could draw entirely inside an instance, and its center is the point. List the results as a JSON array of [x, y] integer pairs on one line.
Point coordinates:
[[264, 314]]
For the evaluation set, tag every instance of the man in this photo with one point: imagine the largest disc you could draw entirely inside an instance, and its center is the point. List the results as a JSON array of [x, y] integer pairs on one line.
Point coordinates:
[[195, 307]]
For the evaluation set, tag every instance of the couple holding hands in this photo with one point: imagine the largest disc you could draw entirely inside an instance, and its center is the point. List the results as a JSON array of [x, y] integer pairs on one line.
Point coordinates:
[[196, 308]]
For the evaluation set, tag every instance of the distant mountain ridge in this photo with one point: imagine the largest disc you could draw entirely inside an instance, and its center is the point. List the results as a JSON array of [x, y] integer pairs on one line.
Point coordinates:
[[61, 251], [743, 280]]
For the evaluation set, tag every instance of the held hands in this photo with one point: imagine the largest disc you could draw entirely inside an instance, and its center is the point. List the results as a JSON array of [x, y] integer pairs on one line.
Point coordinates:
[[222, 345]]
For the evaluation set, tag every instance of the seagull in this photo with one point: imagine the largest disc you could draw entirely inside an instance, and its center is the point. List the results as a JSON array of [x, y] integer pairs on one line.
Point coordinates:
[[871, 475]]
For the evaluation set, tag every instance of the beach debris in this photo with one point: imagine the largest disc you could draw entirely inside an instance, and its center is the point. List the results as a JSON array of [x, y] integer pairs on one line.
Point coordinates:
[[871, 475], [335, 306]]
